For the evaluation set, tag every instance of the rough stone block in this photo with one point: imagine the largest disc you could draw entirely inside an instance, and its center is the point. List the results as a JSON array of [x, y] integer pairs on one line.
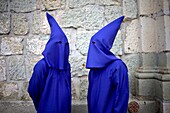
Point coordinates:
[[108, 2], [3, 5], [24, 96], [45, 27], [75, 83], [20, 24], [17, 107], [133, 62], [149, 6], [78, 65], [112, 12], [117, 48], [132, 39], [71, 35], [147, 107], [148, 35], [146, 87], [16, 68], [36, 44], [166, 90], [2, 69], [8, 91], [130, 9], [83, 41], [160, 27], [54, 4], [167, 31], [79, 3], [88, 17], [36, 22], [4, 23], [23, 5], [31, 60], [83, 88], [12, 45]]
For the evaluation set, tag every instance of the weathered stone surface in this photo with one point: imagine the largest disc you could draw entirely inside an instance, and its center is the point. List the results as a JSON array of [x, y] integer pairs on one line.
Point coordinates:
[[79, 3], [168, 60], [2, 69], [20, 24], [36, 44], [112, 12], [167, 31], [166, 7], [117, 45], [12, 45], [145, 87], [83, 88], [4, 23], [23, 5], [83, 41], [78, 65], [45, 27], [148, 35], [162, 60], [132, 40], [3, 5], [17, 107], [24, 96], [161, 35], [133, 62], [150, 6], [166, 91], [130, 8], [8, 91], [53, 4], [16, 68], [149, 60], [108, 2], [71, 35], [88, 17], [75, 83], [36, 22], [31, 60]]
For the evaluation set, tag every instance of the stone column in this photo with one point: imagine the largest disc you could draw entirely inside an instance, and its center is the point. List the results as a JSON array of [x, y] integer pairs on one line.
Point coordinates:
[[153, 76]]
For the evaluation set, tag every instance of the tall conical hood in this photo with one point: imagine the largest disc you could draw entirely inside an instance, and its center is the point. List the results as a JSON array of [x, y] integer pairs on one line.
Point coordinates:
[[99, 54], [57, 48]]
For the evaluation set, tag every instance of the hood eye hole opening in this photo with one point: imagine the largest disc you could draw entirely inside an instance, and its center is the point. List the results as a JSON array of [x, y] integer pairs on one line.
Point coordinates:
[[67, 43], [60, 42], [93, 42]]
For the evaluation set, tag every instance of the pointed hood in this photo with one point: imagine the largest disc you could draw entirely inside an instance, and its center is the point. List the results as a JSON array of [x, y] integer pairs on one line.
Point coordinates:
[[56, 52], [99, 54]]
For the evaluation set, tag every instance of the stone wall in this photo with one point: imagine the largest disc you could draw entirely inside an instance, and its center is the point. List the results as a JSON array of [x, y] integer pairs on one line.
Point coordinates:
[[143, 43]]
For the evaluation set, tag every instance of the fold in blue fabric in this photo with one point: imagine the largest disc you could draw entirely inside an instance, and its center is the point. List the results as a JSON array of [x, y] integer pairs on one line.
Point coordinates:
[[50, 83], [108, 90]]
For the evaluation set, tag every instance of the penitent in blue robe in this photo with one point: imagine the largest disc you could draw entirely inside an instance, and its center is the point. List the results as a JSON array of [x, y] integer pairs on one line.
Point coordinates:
[[108, 90], [50, 84]]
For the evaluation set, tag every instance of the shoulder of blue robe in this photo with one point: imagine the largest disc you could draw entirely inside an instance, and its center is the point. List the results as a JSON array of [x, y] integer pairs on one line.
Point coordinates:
[[121, 84], [37, 81]]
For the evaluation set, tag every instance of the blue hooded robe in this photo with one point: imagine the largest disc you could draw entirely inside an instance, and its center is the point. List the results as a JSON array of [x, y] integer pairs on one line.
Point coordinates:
[[108, 90], [50, 84]]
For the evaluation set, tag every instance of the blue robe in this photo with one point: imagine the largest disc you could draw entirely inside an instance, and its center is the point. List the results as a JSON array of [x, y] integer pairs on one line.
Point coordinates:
[[50, 84], [108, 90]]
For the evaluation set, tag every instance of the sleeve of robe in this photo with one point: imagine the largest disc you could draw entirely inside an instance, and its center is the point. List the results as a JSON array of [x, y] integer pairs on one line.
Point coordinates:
[[120, 80], [37, 82]]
